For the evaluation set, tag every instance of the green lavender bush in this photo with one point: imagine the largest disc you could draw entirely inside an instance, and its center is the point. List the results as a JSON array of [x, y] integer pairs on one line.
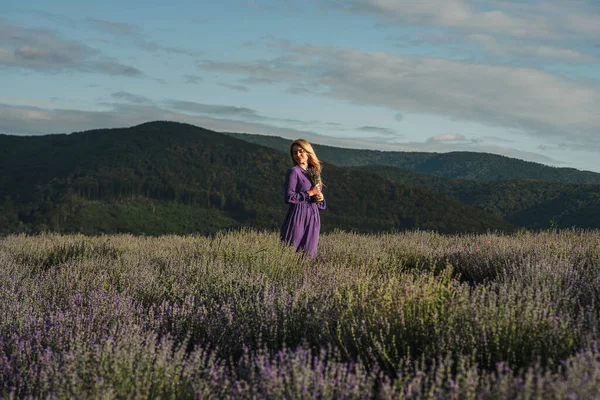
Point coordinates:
[[240, 315]]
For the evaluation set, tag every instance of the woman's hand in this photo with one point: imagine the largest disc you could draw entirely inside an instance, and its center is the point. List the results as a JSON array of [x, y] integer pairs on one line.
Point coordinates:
[[314, 191], [319, 197]]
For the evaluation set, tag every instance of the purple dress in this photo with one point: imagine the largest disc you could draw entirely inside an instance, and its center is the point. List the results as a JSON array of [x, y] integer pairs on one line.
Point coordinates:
[[302, 222]]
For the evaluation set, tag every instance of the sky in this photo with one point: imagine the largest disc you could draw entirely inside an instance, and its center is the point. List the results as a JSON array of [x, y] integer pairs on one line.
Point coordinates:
[[517, 78]]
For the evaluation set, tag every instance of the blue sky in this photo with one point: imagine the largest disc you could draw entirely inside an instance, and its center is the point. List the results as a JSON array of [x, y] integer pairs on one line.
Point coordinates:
[[517, 78]]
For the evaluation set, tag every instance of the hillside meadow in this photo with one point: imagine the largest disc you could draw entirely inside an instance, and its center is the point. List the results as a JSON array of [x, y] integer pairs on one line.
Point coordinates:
[[239, 315]]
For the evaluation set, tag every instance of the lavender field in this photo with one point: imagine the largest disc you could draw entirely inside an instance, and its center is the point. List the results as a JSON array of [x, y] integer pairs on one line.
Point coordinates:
[[407, 315]]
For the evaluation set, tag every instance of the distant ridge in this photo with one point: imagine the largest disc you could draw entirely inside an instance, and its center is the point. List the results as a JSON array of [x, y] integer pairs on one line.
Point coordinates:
[[523, 202], [165, 177], [454, 165]]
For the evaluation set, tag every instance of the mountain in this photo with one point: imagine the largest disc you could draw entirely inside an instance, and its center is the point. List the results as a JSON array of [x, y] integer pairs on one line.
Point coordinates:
[[525, 194], [454, 165], [166, 177], [522, 202]]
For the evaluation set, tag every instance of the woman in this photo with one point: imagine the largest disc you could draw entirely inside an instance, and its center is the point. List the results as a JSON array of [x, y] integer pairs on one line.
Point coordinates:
[[302, 224]]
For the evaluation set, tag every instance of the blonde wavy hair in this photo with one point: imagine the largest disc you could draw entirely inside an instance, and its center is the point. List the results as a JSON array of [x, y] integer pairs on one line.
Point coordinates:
[[313, 160]]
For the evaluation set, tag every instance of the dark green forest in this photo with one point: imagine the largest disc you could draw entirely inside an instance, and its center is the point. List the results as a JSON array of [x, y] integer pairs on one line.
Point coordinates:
[[523, 202], [523, 193], [166, 177]]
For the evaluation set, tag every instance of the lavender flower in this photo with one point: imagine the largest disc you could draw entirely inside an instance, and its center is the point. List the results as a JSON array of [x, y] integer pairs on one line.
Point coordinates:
[[314, 176], [315, 179]]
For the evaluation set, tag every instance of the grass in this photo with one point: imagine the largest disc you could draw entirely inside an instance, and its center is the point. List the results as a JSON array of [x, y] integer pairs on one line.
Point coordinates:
[[240, 315]]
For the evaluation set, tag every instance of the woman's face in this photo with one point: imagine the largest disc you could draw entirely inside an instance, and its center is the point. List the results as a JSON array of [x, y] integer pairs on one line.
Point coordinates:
[[300, 156]]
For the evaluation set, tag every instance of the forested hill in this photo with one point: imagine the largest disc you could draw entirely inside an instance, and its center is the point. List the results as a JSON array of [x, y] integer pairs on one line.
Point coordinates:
[[455, 165], [523, 202], [167, 177]]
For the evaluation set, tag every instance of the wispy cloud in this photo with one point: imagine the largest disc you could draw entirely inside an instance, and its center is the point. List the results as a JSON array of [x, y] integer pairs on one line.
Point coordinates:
[[449, 137], [40, 48], [134, 34], [212, 109], [525, 51], [535, 19], [525, 32], [44, 104], [496, 139], [131, 98], [269, 70], [531, 100], [115, 28], [379, 130], [239, 88], [43, 50], [113, 68], [193, 79], [256, 81]]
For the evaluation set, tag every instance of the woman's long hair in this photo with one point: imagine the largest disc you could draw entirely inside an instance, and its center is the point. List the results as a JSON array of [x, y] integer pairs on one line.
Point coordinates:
[[307, 147]]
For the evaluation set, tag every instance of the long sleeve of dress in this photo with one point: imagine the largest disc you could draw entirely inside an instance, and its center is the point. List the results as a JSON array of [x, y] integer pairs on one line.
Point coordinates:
[[292, 196], [322, 205]]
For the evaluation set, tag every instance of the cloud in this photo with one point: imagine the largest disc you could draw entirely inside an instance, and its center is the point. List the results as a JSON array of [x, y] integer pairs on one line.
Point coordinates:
[[43, 50], [39, 48], [299, 89], [443, 12], [450, 137], [496, 139], [256, 81], [212, 109], [399, 116], [134, 34], [521, 50], [239, 88], [295, 121], [113, 68], [378, 130], [536, 30], [270, 70], [530, 100], [115, 28], [588, 24], [54, 102], [534, 19], [131, 98], [193, 79]]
